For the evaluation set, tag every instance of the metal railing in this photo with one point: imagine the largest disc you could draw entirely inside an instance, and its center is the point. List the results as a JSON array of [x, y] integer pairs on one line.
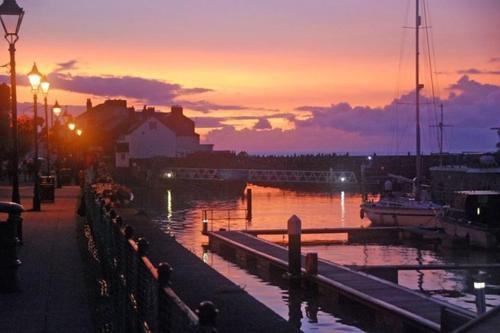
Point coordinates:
[[218, 218], [141, 296]]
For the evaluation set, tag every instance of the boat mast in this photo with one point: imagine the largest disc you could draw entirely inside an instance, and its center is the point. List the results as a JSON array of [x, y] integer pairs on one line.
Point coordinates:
[[418, 87]]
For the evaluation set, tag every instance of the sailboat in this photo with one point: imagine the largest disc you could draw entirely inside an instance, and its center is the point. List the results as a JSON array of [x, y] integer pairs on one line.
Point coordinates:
[[411, 209]]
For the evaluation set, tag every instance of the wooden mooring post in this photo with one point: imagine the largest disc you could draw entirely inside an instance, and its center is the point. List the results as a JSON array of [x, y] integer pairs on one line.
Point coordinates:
[[294, 231], [249, 204]]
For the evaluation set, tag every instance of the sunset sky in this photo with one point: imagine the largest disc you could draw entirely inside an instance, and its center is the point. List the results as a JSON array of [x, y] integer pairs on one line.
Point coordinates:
[[274, 75]]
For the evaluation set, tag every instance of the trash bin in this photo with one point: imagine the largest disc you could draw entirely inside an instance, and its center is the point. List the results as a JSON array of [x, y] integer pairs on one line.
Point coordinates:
[[10, 234], [47, 188], [65, 176]]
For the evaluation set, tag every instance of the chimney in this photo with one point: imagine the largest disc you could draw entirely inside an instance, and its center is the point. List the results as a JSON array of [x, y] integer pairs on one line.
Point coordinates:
[[89, 104], [176, 110]]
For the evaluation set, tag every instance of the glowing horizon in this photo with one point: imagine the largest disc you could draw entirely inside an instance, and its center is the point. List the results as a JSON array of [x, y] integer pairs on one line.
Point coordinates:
[[256, 59]]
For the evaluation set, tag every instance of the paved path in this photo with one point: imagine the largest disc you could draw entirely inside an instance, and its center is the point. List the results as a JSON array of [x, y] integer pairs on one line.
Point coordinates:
[[54, 295]]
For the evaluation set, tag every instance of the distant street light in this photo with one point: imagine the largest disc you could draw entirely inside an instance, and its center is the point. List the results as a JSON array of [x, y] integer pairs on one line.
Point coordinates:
[[71, 126], [35, 79], [45, 85], [11, 17], [79, 132], [56, 110]]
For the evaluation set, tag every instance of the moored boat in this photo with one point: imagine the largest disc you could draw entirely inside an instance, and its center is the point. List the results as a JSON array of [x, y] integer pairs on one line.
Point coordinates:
[[473, 217], [402, 211], [412, 209]]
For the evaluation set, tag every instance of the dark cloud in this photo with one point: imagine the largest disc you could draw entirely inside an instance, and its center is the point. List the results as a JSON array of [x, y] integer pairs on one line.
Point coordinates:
[[495, 59], [149, 91], [474, 71], [218, 122], [66, 66], [472, 108], [263, 124]]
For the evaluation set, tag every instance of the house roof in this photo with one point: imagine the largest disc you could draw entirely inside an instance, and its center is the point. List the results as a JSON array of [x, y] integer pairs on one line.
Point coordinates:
[[180, 125]]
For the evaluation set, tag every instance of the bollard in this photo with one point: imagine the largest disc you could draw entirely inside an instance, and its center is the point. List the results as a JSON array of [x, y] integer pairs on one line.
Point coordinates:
[[294, 231], [479, 286], [9, 233], [249, 204], [312, 263], [164, 274], [207, 313]]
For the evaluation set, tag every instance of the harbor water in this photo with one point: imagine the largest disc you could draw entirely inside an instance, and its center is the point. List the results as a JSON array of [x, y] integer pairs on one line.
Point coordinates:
[[179, 213]]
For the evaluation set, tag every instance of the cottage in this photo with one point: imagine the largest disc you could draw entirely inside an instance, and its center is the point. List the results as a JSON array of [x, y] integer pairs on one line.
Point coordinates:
[[158, 134]]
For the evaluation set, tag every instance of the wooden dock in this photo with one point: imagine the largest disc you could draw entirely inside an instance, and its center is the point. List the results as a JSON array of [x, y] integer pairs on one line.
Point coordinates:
[[403, 308], [362, 235]]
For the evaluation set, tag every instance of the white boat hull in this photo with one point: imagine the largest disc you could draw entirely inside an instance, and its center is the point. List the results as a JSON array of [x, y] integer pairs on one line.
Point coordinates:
[[404, 217]]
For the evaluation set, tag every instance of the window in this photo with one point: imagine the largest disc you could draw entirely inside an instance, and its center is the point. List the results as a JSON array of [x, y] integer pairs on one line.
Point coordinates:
[[122, 147]]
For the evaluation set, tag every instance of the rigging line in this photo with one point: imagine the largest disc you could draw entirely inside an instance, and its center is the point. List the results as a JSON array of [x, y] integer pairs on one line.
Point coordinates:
[[429, 60], [395, 107]]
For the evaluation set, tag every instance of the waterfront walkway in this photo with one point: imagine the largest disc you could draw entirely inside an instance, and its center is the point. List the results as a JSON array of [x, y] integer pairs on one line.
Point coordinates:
[[53, 296]]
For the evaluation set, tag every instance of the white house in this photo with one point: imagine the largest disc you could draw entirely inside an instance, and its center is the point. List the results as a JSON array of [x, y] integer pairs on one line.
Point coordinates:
[[159, 134]]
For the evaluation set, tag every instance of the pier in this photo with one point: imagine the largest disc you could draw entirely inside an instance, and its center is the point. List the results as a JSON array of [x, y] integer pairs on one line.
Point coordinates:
[[404, 309]]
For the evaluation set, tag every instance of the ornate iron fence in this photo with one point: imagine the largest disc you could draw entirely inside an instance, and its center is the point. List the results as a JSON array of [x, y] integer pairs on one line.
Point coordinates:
[[140, 293]]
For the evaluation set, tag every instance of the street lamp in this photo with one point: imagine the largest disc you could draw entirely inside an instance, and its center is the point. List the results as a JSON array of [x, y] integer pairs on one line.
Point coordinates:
[[35, 79], [71, 126], [45, 85], [79, 132], [57, 110], [11, 16]]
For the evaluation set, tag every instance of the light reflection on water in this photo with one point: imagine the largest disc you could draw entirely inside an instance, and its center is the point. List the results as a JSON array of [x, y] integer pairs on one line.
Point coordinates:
[[181, 215]]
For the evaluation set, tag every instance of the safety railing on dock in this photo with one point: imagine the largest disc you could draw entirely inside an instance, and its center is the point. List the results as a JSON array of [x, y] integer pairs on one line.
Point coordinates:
[[141, 296], [222, 218]]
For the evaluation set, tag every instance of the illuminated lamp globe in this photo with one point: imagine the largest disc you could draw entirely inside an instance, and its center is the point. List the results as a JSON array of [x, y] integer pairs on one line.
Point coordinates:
[[45, 85], [35, 78], [56, 109]]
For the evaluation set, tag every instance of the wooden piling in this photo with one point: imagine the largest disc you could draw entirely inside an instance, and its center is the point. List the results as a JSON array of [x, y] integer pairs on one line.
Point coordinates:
[[249, 204], [294, 231], [312, 263]]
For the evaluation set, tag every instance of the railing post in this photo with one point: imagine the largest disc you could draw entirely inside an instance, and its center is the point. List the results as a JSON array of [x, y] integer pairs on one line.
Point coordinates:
[[207, 313], [164, 311]]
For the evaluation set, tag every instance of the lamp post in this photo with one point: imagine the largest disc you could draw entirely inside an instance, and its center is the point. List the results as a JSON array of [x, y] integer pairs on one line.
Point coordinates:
[[11, 17], [35, 80], [45, 85], [56, 111]]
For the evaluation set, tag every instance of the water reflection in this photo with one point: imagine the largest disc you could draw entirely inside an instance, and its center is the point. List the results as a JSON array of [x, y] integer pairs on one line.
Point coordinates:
[[181, 213]]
